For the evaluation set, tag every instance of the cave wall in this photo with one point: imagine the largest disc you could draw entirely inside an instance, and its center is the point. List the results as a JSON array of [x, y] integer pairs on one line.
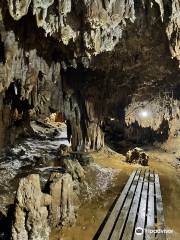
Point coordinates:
[[30, 82], [90, 60]]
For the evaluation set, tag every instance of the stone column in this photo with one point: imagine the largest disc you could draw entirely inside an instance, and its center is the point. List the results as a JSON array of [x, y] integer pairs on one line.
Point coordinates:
[[31, 214], [84, 129]]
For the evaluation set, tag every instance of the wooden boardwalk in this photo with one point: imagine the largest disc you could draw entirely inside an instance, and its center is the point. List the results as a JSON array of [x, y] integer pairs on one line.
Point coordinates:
[[139, 207]]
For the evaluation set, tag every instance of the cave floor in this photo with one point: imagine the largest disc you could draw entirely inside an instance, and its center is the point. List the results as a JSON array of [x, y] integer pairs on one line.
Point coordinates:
[[92, 213], [105, 179]]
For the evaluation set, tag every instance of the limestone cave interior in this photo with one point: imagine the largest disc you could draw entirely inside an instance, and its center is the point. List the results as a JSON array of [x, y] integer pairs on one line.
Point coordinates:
[[83, 84]]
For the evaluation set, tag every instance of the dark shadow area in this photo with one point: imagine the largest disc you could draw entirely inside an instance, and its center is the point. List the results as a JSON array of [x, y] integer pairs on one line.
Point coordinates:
[[123, 139], [144, 136], [176, 91], [6, 223], [2, 53]]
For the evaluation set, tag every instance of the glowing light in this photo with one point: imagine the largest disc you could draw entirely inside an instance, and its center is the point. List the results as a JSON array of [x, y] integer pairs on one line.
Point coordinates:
[[144, 114]]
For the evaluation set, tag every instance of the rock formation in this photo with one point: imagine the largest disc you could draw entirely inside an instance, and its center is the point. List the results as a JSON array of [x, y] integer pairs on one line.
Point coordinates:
[[84, 158], [73, 167], [36, 212], [137, 155], [62, 209], [88, 60], [106, 20], [82, 123], [31, 214], [93, 62]]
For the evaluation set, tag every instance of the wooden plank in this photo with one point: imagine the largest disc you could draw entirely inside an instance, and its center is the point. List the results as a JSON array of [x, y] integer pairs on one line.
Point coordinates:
[[114, 214], [159, 210], [128, 232], [142, 208], [118, 229], [150, 225]]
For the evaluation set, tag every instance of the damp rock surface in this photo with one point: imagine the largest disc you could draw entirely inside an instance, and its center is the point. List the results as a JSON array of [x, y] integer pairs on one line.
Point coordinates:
[[106, 20]]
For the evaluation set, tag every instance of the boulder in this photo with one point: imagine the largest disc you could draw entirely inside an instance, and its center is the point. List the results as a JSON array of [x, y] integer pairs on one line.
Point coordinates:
[[31, 214], [137, 155]]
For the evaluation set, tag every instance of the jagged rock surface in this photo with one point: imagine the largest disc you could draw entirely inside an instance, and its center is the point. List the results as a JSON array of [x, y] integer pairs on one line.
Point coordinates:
[[82, 123], [106, 20], [62, 208], [73, 167], [156, 110], [27, 82], [31, 214], [137, 155], [34, 209], [173, 28], [64, 150]]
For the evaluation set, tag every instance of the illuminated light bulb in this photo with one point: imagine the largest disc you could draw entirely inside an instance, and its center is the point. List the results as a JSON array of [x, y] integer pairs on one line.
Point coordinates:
[[144, 113], [15, 90]]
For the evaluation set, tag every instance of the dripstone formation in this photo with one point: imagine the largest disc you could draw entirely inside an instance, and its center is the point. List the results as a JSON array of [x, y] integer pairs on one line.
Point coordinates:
[[36, 213], [30, 220], [106, 67], [62, 205]]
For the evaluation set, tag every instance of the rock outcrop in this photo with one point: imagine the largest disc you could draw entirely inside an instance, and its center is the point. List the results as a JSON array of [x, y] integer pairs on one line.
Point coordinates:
[[27, 82], [84, 158], [31, 214], [82, 123], [73, 167], [153, 120], [137, 155], [37, 212], [106, 20], [62, 207], [173, 28]]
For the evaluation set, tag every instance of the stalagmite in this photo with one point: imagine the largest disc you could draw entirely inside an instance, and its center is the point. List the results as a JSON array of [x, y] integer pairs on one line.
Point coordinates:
[[62, 209], [31, 214]]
